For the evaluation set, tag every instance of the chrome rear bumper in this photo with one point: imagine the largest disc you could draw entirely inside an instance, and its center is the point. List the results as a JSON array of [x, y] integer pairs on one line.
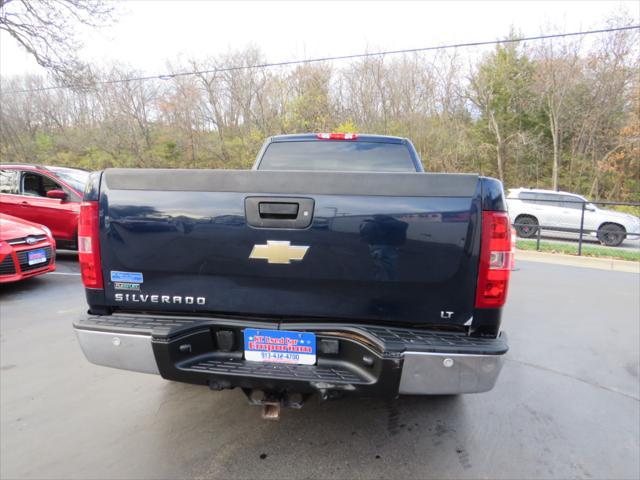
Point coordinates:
[[445, 374], [458, 365], [118, 350]]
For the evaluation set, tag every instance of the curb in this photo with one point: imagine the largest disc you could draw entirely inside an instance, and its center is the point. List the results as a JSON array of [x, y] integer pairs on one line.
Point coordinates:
[[575, 261]]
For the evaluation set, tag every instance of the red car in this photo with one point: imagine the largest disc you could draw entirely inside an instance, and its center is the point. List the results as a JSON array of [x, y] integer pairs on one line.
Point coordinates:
[[49, 196], [26, 249]]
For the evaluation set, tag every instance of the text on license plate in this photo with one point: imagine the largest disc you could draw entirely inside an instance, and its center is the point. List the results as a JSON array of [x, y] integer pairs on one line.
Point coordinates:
[[279, 346], [37, 256]]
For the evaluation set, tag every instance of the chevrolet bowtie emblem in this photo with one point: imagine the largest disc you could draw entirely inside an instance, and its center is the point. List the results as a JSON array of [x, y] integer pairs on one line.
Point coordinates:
[[278, 252]]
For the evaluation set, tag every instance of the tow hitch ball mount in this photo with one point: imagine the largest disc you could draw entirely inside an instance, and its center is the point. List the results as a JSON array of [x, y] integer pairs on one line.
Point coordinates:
[[272, 402]]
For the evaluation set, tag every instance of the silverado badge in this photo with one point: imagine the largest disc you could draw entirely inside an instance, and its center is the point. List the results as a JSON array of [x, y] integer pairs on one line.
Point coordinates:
[[278, 252]]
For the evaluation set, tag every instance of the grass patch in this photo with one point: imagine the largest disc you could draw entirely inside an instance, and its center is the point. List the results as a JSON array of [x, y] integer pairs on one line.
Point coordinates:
[[587, 250]]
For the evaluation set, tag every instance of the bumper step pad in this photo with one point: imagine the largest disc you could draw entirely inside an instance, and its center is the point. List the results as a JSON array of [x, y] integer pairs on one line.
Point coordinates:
[[305, 373], [401, 339]]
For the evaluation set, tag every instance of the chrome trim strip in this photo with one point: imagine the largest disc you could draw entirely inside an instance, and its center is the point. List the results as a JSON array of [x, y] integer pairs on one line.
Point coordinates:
[[23, 240], [118, 350], [447, 374]]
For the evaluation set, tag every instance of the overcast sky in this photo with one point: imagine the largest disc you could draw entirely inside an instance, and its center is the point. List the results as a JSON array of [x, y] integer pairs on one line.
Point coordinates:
[[148, 33]]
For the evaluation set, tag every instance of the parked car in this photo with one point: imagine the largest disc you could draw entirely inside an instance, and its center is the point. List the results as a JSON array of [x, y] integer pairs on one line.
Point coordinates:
[[48, 196], [562, 211], [337, 266], [26, 249]]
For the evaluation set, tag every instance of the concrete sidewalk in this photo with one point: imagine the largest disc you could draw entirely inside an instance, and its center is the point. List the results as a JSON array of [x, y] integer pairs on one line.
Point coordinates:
[[575, 261]]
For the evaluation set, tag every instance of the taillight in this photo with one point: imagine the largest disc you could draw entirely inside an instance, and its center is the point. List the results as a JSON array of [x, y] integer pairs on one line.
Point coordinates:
[[337, 136], [513, 248], [496, 260], [89, 245]]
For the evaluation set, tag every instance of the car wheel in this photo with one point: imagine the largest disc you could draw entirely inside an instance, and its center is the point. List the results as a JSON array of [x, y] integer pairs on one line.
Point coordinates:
[[611, 234], [526, 226]]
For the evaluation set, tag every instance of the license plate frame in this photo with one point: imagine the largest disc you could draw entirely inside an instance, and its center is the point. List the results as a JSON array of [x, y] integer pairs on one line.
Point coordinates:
[[36, 257], [279, 346]]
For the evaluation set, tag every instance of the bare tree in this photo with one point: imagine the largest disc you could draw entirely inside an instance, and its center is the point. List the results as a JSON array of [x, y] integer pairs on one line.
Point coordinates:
[[46, 29], [484, 97], [501, 121], [180, 106], [499, 89], [557, 69]]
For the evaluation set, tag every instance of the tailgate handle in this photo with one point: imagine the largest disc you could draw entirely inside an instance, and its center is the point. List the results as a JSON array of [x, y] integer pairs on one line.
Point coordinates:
[[288, 211], [278, 212]]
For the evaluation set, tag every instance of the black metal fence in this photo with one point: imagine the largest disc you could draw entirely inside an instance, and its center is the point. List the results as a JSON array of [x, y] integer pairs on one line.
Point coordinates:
[[534, 216]]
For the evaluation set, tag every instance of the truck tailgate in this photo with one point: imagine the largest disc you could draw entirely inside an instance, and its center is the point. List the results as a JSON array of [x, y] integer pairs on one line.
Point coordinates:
[[379, 246]]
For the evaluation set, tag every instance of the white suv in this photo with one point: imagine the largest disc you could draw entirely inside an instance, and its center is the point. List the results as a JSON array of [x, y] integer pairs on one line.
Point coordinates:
[[561, 211]]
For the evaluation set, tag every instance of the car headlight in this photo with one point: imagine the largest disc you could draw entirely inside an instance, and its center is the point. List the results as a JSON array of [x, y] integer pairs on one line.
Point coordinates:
[[47, 231]]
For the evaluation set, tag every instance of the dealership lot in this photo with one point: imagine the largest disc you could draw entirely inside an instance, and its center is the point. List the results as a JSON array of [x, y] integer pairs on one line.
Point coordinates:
[[567, 403]]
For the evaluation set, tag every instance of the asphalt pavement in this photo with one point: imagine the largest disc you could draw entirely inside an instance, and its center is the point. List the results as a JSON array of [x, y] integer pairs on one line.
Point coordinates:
[[567, 404]]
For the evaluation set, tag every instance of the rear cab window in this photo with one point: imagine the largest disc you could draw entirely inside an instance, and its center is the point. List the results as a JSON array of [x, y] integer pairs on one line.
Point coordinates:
[[341, 156]]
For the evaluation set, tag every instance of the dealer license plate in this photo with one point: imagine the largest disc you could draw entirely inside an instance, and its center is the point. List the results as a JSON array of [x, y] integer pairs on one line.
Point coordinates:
[[279, 346], [36, 257]]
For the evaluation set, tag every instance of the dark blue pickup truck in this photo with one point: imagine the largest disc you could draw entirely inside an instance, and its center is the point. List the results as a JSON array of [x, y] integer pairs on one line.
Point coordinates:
[[335, 266]]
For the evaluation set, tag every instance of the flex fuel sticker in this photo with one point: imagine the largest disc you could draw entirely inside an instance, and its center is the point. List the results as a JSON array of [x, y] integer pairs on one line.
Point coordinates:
[[126, 286], [130, 277]]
